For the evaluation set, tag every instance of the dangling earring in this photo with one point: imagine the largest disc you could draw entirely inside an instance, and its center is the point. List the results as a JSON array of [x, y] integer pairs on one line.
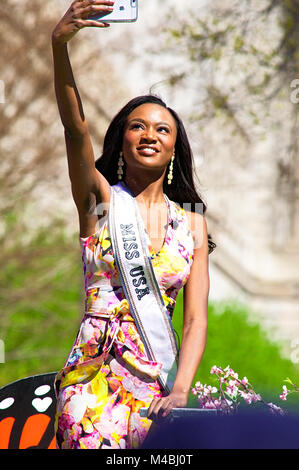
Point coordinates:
[[120, 170], [170, 175]]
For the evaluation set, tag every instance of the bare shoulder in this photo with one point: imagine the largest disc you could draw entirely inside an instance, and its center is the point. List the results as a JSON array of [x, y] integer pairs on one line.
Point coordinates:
[[198, 228]]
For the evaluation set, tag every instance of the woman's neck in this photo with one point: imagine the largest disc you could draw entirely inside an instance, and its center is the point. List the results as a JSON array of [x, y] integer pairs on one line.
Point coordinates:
[[146, 192]]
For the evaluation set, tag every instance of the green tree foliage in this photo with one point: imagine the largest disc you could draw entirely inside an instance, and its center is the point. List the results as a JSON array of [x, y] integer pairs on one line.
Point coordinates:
[[40, 300], [235, 339]]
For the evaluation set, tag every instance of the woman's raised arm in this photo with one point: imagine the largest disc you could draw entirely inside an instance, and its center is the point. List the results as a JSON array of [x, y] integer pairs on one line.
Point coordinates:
[[89, 186]]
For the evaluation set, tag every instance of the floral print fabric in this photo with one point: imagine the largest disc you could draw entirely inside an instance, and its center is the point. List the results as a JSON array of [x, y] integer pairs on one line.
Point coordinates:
[[107, 376]]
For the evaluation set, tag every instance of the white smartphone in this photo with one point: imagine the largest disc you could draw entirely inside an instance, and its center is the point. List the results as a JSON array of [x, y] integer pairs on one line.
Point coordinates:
[[125, 11]]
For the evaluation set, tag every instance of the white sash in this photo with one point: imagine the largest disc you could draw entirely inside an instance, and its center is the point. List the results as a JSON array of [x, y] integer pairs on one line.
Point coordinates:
[[138, 279]]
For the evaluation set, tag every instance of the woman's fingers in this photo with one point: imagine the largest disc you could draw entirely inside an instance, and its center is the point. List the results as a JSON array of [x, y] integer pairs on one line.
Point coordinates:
[[159, 408], [85, 3], [78, 16], [167, 409], [154, 408], [94, 9], [84, 23]]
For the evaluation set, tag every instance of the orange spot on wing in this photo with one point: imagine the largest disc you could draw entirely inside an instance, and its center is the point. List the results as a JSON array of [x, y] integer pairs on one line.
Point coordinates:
[[53, 444], [34, 430], [5, 429]]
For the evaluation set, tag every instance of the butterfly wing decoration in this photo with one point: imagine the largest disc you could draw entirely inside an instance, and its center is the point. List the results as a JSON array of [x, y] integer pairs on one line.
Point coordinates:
[[27, 413]]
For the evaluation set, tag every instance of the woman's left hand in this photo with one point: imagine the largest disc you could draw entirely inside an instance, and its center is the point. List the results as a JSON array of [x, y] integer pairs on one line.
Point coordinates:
[[161, 407]]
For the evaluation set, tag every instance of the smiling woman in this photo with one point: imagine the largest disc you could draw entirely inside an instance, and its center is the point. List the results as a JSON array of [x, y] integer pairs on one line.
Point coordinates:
[[136, 258], [151, 131]]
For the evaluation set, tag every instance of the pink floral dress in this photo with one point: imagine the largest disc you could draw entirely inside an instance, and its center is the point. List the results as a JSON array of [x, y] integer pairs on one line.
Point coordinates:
[[107, 376]]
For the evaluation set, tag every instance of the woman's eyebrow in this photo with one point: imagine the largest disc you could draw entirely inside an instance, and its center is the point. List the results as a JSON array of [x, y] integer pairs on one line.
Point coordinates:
[[145, 122]]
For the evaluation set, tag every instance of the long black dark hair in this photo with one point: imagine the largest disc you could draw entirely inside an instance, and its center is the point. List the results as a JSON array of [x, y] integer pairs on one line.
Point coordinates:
[[182, 190]]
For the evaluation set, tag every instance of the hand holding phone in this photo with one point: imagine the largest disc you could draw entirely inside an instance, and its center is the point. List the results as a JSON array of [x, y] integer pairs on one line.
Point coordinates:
[[124, 11], [81, 15]]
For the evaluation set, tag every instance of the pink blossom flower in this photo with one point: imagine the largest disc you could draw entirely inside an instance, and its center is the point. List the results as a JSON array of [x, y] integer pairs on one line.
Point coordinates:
[[199, 386], [230, 373], [216, 370], [284, 394], [208, 389], [201, 401], [275, 409], [244, 381], [232, 383], [211, 389], [250, 397], [209, 405], [231, 388], [217, 403], [256, 397], [246, 396], [235, 375]]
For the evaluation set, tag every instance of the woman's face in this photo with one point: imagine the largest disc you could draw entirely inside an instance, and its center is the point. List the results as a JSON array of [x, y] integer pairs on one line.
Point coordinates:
[[149, 137]]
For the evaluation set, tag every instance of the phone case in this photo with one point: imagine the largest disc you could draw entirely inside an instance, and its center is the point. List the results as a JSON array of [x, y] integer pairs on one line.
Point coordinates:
[[125, 11]]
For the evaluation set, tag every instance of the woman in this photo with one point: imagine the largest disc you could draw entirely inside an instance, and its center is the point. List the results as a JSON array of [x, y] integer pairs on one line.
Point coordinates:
[[124, 357]]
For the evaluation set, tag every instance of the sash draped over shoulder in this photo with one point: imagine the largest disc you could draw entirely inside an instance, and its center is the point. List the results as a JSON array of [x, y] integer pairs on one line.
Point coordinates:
[[108, 366]]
